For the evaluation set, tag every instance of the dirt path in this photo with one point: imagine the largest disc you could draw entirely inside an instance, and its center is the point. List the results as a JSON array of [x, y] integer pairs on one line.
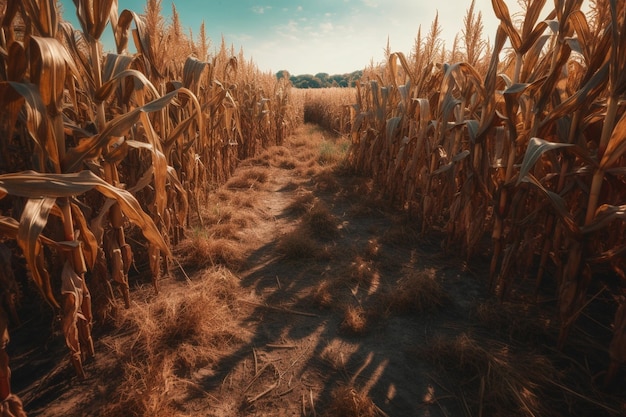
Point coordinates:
[[330, 304], [313, 311]]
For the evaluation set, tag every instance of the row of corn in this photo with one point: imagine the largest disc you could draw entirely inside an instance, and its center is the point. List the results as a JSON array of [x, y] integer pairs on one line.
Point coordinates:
[[95, 146], [527, 146]]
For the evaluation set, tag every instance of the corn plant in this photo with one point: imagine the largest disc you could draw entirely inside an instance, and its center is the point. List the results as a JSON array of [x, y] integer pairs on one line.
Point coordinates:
[[532, 152], [93, 143]]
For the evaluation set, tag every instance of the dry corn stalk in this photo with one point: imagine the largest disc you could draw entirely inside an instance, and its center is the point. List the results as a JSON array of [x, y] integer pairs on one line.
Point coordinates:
[[529, 151]]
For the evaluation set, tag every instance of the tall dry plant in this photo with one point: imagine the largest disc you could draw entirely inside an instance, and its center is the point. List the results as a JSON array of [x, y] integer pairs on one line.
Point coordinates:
[[533, 156], [93, 143]]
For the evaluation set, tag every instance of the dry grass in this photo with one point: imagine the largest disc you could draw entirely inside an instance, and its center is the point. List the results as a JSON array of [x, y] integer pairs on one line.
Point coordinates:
[[516, 322], [321, 223], [248, 178], [333, 151], [301, 204], [335, 355], [218, 212], [493, 379], [326, 180], [261, 160], [201, 250], [307, 157], [372, 249], [227, 214], [347, 401], [236, 199], [318, 223], [365, 200], [400, 233], [281, 157], [299, 245], [323, 294], [355, 320], [417, 291], [173, 335], [361, 271]]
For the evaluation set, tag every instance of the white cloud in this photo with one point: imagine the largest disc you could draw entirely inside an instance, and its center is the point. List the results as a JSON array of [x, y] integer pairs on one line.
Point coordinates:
[[261, 9], [311, 40], [371, 3], [326, 27], [289, 31]]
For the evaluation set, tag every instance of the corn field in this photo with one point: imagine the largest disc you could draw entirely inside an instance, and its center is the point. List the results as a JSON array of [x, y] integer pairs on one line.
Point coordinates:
[[99, 146], [522, 144], [528, 149], [329, 108]]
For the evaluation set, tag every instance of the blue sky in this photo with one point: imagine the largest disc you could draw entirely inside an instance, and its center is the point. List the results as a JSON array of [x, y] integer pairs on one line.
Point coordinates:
[[333, 36]]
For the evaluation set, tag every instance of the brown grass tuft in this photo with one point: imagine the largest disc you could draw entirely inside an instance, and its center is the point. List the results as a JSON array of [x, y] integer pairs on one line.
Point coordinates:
[[261, 160], [181, 330], [323, 294], [281, 157], [321, 222], [493, 380], [248, 178], [297, 245], [354, 320], [372, 249], [416, 292], [361, 271], [325, 180], [301, 204], [514, 321], [242, 199], [400, 233], [346, 401], [201, 250]]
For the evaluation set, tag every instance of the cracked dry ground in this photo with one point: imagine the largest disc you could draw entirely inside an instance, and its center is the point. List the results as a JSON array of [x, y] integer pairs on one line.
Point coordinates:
[[303, 295]]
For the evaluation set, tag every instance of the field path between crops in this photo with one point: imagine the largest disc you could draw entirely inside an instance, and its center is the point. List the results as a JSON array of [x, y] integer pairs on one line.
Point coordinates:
[[313, 289], [321, 301]]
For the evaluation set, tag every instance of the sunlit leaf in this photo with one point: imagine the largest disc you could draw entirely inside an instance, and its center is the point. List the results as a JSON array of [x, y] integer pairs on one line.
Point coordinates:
[[502, 12], [617, 144], [33, 220], [35, 185], [93, 16]]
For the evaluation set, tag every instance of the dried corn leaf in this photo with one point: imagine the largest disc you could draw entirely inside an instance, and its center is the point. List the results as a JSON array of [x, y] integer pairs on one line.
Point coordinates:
[[32, 222], [536, 147], [32, 184]]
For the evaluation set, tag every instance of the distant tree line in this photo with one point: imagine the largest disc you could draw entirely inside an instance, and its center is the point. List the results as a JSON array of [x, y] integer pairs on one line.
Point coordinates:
[[321, 79]]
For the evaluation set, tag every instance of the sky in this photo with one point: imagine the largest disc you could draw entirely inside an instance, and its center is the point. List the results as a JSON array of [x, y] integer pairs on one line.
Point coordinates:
[[313, 36]]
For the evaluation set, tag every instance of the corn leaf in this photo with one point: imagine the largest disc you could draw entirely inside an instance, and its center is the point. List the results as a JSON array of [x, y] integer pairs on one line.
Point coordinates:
[[502, 13], [578, 21], [20, 99], [557, 202], [605, 214], [531, 16], [32, 222], [91, 147], [89, 242], [536, 148], [43, 14], [93, 16], [140, 79], [616, 146], [192, 73], [35, 185]]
